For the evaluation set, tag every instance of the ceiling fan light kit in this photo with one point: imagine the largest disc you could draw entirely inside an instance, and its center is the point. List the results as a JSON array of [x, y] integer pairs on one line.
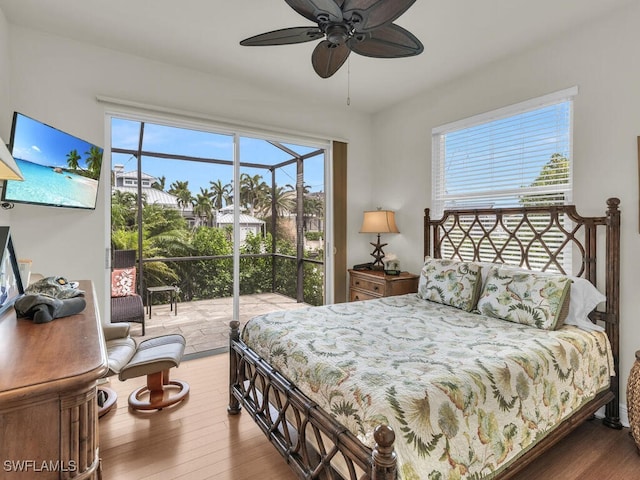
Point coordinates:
[[362, 26]]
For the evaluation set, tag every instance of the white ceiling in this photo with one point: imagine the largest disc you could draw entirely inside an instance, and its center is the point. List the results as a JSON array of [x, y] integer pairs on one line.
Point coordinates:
[[458, 35]]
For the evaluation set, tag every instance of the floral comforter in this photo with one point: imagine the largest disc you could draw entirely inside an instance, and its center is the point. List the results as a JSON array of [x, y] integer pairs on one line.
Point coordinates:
[[465, 393]]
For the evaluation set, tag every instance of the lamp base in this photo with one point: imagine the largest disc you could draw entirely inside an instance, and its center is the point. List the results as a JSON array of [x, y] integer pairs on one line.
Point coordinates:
[[378, 254]]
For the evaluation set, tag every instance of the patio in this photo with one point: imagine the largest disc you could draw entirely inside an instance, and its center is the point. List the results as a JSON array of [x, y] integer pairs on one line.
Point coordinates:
[[205, 323]]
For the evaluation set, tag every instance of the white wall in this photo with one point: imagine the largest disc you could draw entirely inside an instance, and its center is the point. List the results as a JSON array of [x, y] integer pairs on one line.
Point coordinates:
[[602, 60], [5, 120], [56, 80]]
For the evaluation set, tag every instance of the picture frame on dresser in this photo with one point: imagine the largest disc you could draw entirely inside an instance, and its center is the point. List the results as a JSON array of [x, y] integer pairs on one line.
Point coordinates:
[[11, 286]]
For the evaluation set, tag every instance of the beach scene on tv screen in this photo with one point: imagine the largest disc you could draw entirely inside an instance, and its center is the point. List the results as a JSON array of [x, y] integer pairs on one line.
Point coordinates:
[[58, 168]]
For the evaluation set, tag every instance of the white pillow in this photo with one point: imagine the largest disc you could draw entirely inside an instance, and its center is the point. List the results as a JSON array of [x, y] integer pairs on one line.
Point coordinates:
[[584, 297]]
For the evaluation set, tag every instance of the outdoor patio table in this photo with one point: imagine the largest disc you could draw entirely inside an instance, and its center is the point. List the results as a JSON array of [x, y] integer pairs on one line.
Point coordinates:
[[173, 296]]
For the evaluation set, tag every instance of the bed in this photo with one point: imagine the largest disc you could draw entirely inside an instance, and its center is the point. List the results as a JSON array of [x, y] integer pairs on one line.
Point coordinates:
[[463, 379]]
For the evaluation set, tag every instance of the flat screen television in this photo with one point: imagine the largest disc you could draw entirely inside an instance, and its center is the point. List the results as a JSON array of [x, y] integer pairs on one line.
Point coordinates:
[[59, 169]]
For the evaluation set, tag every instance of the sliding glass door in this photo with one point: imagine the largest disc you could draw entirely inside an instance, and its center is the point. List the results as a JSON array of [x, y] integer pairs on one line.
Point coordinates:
[[281, 224], [235, 222]]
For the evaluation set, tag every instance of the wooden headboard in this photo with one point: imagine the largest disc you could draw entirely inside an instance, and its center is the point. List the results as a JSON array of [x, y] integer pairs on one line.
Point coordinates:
[[554, 238]]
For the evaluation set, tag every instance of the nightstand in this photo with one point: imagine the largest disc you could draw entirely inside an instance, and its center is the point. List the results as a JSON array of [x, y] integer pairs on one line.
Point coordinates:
[[367, 284]]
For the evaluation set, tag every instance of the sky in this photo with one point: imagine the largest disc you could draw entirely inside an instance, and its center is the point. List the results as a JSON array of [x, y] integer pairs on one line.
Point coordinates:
[[36, 142], [172, 140]]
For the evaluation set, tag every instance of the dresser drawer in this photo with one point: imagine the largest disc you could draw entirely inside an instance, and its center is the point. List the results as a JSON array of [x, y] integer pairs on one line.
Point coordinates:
[[357, 295], [372, 286]]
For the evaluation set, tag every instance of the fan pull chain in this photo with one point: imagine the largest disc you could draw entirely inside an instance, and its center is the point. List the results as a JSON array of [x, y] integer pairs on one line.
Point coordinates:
[[348, 82]]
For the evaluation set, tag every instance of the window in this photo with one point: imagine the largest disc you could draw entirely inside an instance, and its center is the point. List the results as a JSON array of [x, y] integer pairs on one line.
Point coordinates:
[[517, 155]]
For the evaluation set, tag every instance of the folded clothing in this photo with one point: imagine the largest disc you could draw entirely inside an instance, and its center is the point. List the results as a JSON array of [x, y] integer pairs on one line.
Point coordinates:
[[43, 308], [56, 287]]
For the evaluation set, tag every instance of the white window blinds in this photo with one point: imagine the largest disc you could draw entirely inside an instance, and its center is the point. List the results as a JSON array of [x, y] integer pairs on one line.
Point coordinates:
[[518, 155]]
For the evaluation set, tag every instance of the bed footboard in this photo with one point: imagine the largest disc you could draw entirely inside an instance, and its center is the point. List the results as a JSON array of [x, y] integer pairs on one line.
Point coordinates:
[[312, 442]]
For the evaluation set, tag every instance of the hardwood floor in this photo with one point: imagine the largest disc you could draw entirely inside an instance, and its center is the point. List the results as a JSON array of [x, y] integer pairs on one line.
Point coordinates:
[[198, 440]]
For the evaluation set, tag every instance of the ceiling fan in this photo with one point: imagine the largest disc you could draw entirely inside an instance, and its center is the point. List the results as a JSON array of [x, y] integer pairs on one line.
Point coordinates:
[[361, 26]]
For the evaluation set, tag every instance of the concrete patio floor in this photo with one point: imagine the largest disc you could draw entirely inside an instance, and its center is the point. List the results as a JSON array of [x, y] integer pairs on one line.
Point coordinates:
[[205, 323]]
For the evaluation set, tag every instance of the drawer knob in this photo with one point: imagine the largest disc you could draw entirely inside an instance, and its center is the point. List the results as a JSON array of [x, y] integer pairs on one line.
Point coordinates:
[[376, 288], [357, 282]]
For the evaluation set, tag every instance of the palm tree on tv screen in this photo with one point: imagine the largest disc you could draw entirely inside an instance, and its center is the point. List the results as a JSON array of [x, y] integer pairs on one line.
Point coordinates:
[[73, 159], [94, 161]]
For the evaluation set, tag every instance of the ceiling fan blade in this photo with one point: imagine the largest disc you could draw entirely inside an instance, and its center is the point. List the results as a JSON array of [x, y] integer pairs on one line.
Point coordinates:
[[317, 10], [374, 13], [327, 58], [389, 41], [284, 36]]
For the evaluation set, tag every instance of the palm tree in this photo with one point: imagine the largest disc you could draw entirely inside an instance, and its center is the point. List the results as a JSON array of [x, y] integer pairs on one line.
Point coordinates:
[[285, 201], [252, 189], [305, 188], [126, 199], [220, 193], [160, 183], [313, 207], [203, 208], [73, 159], [94, 161], [123, 210], [181, 190]]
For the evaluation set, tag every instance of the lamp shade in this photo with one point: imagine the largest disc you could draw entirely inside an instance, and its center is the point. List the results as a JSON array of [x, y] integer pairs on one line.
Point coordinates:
[[9, 169], [379, 221]]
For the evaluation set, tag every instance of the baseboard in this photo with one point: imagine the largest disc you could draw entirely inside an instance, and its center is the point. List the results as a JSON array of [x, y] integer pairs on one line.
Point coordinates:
[[205, 353], [624, 416]]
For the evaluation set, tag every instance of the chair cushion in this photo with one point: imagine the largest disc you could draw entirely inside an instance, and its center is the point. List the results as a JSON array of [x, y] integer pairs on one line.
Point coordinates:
[[120, 351], [113, 331], [155, 355], [123, 282]]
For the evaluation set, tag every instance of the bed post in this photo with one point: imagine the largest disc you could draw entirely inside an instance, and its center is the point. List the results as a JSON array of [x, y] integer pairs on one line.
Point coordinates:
[[384, 458], [612, 325], [427, 234], [234, 336]]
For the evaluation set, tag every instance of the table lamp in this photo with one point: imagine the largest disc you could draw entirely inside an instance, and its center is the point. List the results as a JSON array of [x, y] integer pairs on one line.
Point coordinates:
[[379, 221]]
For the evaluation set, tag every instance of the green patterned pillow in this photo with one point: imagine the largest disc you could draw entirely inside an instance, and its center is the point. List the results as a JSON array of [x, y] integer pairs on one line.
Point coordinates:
[[450, 282], [523, 297]]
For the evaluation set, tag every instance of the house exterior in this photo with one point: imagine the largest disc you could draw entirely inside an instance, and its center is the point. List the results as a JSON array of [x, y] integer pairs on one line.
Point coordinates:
[[248, 224], [128, 182], [130, 179]]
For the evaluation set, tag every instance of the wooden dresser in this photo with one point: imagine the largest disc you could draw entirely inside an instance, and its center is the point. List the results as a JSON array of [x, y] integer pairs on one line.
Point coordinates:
[[367, 284], [48, 407]]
